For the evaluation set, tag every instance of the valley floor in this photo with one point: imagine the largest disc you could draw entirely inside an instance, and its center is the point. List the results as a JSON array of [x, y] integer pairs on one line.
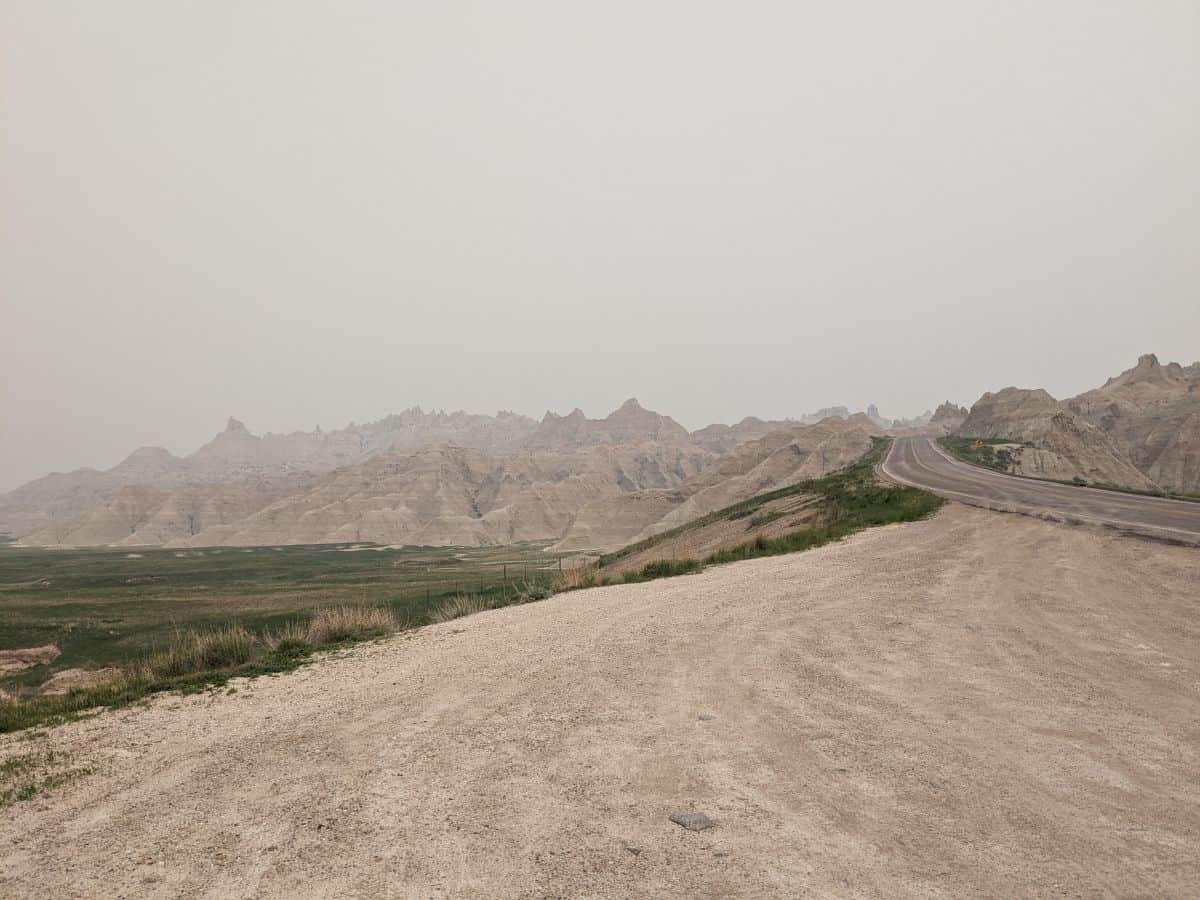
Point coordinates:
[[975, 704]]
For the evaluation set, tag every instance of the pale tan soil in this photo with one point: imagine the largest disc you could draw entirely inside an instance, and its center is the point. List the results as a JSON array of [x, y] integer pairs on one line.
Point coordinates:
[[76, 679], [26, 657], [978, 704]]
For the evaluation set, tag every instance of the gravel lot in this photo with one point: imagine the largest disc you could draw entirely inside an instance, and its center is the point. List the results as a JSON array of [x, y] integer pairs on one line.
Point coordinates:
[[980, 703]]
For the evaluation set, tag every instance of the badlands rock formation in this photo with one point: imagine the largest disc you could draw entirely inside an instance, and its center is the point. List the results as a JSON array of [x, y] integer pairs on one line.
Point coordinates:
[[948, 415], [237, 449], [594, 484], [723, 438], [1141, 430], [83, 507], [448, 495], [780, 458], [435, 479], [1152, 414]]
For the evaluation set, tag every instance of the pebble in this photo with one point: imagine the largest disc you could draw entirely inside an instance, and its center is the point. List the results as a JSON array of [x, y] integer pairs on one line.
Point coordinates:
[[692, 821]]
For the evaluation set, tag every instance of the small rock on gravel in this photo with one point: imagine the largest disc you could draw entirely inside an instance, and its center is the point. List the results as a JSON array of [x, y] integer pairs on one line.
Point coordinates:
[[692, 821]]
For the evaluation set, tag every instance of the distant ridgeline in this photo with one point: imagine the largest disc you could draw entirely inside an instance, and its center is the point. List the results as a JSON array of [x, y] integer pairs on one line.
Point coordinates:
[[436, 479]]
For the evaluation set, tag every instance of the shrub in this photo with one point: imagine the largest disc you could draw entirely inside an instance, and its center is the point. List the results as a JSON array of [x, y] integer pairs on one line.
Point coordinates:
[[291, 641], [530, 593]]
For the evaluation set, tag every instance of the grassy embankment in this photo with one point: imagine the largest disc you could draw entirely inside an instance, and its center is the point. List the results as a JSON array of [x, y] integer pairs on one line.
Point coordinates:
[[847, 501]]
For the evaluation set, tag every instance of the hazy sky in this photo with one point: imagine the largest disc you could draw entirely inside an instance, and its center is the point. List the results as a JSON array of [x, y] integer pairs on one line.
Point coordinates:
[[308, 213]]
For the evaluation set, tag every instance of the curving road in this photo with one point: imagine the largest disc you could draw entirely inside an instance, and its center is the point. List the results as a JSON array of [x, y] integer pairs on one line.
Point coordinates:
[[920, 462]]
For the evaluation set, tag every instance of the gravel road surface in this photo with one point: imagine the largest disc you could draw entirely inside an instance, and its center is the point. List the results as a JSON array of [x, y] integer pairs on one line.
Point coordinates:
[[974, 704]]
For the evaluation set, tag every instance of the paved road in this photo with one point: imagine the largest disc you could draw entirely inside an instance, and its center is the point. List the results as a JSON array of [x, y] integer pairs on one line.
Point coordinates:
[[919, 462]]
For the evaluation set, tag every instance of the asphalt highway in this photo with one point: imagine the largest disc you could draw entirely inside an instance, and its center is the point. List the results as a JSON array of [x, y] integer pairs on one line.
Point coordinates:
[[920, 462]]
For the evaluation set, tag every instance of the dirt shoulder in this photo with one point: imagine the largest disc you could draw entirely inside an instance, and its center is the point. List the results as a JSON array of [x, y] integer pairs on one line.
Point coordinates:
[[974, 704]]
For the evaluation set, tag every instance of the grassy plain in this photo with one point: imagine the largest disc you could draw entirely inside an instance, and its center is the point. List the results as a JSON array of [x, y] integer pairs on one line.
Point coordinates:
[[106, 607]]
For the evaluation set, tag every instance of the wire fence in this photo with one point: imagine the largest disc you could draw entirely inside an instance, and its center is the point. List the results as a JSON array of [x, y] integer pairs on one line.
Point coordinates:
[[499, 581]]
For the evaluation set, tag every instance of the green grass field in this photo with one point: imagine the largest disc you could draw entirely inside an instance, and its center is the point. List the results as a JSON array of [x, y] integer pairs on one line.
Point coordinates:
[[103, 607]]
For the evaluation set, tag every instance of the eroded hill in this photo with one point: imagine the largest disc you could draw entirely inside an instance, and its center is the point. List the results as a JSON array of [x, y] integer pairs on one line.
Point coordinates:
[[1140, 430], [434, 479]]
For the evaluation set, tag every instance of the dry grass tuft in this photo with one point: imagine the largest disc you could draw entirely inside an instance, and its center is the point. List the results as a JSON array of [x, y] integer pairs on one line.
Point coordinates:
[[193, 658], [192, 651], [290, 636], [195, 651], [576, 578], [457, 607], [291, 640], [350, 623]]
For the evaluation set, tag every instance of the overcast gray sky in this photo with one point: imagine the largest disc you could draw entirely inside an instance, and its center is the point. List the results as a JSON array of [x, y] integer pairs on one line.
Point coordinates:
[[307, 213]]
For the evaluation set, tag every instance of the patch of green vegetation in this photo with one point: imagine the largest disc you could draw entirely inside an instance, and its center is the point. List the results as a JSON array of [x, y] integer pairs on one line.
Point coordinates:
[[17, 765], [986, 452], [663, 568], [767, 518], [25, 776]]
